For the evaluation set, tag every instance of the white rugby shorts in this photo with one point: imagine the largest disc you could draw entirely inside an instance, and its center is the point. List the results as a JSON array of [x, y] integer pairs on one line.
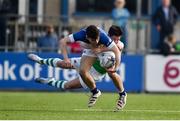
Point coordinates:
[[96, 75]]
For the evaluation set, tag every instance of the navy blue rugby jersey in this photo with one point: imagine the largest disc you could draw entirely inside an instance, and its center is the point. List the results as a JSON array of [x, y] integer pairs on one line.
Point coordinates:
[[81, 36]]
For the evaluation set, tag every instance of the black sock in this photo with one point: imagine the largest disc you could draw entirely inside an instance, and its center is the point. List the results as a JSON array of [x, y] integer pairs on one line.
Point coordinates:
[[122, 93], [94, 91]]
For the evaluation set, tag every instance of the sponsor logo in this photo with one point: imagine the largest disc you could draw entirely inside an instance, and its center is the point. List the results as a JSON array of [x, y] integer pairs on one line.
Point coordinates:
[[27, 72], [171, 74]]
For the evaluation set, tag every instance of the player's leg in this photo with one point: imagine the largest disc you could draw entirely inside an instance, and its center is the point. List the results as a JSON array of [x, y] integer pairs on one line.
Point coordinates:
[[73, 84], [119, 85], [54, 62], [85, 65], [61, 84]]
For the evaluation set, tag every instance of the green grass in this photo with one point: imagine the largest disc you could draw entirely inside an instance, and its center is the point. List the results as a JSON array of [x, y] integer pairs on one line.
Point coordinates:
[[73, 106]]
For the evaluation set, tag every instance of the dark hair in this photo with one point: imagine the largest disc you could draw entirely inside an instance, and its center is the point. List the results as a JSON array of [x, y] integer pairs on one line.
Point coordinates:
[[92, 32], [115, 31]]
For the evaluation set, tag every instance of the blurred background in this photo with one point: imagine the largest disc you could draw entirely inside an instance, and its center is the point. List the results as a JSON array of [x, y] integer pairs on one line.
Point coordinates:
[[38, 25]]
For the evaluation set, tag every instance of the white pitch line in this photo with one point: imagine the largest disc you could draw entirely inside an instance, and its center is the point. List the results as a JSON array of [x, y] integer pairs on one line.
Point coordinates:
[[108, 110]]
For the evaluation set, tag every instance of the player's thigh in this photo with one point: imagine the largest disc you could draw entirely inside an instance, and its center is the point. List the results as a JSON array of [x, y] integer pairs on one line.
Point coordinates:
[[86, 63]]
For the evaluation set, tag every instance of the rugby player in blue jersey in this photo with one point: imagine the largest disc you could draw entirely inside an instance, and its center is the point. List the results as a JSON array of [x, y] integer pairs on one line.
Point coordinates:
[[94, 37]]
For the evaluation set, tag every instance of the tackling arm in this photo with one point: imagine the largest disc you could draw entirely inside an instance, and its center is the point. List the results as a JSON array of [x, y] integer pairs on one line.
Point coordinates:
[[117, 54], [63, 47]]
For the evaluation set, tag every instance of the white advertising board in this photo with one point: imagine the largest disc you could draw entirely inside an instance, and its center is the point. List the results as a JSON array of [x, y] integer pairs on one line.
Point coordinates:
[[162, 73]]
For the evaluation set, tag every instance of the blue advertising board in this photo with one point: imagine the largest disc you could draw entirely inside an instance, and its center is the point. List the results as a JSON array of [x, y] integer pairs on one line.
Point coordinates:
[[17, 72]]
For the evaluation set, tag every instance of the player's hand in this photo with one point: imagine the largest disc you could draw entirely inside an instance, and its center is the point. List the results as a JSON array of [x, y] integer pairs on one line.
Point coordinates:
[[66, 60], [66, 64], [111, 70]]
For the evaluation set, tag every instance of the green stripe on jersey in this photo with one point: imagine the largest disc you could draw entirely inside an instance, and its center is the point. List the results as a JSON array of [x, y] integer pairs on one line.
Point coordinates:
[[98, 67]]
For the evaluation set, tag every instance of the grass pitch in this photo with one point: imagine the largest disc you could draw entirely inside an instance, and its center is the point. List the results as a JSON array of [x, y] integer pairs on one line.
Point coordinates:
[[73, 106]]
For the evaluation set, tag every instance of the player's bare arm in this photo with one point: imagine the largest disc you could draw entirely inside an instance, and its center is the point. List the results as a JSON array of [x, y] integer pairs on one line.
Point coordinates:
[[117, 54], [63, 47], [65, 65], [101, 49]]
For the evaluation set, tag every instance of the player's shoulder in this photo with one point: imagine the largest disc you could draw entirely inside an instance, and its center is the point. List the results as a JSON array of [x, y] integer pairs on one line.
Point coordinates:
[[101, 30], [82, 31], [103, 34], [80, 35]]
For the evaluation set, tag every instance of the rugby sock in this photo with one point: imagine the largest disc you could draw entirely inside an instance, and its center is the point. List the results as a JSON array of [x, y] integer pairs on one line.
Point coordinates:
[[94, 91], [57, 83], [122, 93], [50, 61]]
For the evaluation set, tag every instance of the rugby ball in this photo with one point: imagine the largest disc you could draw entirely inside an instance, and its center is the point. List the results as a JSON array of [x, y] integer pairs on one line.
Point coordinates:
[[107, 59]]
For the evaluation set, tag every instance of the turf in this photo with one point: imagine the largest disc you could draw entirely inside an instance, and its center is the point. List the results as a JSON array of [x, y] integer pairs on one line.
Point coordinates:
[[73, 106]]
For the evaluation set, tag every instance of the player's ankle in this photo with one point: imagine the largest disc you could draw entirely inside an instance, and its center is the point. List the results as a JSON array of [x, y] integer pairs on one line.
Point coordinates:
[[122, 93], [94, 91]]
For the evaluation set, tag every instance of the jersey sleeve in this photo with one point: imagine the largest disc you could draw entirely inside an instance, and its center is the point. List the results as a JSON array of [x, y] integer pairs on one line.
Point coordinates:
[[106, 40], [78, 36], [120, 45]]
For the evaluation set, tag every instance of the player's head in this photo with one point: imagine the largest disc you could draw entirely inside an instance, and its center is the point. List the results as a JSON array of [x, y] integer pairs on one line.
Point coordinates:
[[115, 33], [92, 34]]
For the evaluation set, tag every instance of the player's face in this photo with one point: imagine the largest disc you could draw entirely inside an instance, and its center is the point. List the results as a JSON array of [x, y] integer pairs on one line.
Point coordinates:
[[93, 42], [116, 39]]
